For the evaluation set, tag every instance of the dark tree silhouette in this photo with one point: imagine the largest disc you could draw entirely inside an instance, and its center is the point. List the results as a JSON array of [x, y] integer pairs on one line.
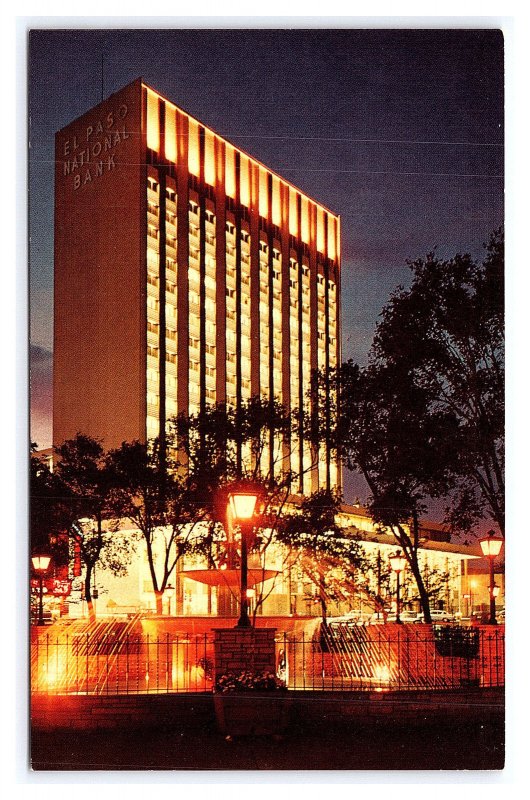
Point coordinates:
[[446, 334], [324, 552], [83, 510], [221, 447], [425, 418], [147, 489]]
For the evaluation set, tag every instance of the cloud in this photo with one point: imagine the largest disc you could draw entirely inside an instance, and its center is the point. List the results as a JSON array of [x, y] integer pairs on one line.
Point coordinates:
[[41, 395]]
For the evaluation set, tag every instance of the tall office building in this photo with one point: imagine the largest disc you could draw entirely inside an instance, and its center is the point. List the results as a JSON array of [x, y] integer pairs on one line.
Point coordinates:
[[186, 273]]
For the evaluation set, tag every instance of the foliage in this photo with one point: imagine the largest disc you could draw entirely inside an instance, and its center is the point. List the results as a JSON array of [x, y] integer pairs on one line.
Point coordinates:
[[146, 488], [446, 336], [248, 681], [424, 418], [456, 642], [223, 447], [81, 504], [45, 523], [325, 553]]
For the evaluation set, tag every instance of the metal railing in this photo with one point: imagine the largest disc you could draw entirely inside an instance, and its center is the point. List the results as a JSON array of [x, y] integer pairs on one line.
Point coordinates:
[[342, 658]]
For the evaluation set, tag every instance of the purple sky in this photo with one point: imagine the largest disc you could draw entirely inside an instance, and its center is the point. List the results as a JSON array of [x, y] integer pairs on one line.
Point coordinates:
[[398, 131]]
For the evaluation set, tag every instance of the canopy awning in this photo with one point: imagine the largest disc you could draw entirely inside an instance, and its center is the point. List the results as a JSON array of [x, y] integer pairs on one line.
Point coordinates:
[[229, 577]]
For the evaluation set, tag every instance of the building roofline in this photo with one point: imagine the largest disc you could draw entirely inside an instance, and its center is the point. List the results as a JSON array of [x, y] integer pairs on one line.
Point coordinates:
[[244, 152], [143, 83], [471, 551], [466, 551]]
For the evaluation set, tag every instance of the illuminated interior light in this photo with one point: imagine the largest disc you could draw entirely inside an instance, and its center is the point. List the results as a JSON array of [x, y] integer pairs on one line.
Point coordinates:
[[193, 147], [305, 232], [230, 171], [276, 202], [153, 126], [170, 142], [263, 193], [293, 213], [382, 673], [209, 158], [244, 190], [321, 240]]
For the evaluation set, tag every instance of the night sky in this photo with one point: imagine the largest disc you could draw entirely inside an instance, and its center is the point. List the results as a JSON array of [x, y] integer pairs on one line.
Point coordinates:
[[398, 131]]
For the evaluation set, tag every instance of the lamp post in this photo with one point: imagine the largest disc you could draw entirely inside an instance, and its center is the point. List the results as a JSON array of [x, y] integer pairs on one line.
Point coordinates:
[[472, 586], [398, 563], [40, 565], [242, 505], [491, 547], [169, 592]]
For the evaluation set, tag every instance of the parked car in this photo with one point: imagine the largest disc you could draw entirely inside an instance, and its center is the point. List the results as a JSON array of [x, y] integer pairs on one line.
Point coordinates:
[[405, 616], [411, 616], [438, 615]]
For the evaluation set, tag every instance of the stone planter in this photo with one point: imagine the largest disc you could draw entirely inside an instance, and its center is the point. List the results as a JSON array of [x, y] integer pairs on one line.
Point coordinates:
[[252, 713]]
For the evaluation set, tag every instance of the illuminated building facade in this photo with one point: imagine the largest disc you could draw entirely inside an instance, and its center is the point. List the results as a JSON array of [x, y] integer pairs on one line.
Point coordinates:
[[186, 273]]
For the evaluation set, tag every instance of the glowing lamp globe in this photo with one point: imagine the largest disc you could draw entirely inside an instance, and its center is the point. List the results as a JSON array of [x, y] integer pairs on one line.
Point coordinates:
[[398, 562], [491, 545], [243, 505], [40, 563]]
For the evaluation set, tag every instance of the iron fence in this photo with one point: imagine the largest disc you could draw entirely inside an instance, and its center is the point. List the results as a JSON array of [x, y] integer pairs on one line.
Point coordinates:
[[339, 658]]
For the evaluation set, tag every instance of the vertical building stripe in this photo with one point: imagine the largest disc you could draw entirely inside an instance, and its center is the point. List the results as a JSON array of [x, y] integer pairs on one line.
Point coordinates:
[[153, 122], [170, 139], [193, 147]]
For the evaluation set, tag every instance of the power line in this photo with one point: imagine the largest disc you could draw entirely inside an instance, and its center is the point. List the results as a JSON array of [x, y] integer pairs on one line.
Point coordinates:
[[363, 141], [390, 172]]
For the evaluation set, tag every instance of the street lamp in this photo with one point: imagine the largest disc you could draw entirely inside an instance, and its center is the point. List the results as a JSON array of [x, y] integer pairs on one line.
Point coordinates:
[[398, 562], [491, 547], [169, 592], [472, 586], [242, 505], [40, 565]]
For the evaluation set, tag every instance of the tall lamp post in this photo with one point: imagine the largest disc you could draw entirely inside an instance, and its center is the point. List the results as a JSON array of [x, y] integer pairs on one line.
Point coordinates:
[[491, 547], [398, 562], [169, 592], [40, 565], [242, 505]]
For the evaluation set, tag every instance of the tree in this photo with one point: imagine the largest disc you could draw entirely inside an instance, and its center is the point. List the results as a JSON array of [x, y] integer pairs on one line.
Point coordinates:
[[447, 333], [146, 488], [325, 553], [424, 419], [401, 447], [221, 447], [45, 521], [83, 511]]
